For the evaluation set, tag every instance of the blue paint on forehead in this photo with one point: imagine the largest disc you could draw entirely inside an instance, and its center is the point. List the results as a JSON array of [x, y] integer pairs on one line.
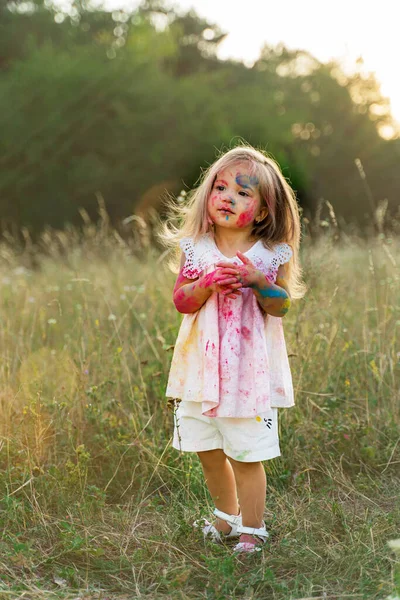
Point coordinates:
[[247, 181]]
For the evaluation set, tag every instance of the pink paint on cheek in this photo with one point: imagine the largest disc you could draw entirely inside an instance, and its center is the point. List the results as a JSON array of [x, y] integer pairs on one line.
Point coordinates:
[[248, 215], [245, 218], [214, 199]]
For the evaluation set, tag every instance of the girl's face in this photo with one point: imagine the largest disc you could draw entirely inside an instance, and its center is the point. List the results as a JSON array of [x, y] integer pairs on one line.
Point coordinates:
[[235, 199]]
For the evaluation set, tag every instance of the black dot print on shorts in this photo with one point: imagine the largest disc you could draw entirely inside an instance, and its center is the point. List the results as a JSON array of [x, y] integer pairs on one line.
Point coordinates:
[[268, 423]]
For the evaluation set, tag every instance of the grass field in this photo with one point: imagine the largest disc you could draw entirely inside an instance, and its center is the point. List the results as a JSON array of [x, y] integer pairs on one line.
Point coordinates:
[[94, 501]]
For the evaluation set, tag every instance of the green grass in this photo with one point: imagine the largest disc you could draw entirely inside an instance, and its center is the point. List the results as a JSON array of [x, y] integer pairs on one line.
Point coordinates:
[[94, 501]]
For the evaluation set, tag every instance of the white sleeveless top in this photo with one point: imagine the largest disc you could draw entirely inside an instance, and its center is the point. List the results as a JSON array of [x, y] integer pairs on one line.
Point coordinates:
[[229, 355]]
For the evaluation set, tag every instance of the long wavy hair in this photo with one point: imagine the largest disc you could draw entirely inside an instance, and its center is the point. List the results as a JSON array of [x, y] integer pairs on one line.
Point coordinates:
[[282, 224]]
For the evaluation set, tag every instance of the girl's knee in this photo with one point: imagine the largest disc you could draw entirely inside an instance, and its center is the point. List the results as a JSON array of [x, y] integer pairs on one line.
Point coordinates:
[[212, 457], [241, 466]]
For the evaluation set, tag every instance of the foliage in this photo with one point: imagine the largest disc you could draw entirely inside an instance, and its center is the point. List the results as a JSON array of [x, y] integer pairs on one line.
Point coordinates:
[[126, 105]]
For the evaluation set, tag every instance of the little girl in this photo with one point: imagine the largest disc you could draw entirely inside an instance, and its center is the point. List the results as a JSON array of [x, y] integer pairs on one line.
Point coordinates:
[[239, 272]]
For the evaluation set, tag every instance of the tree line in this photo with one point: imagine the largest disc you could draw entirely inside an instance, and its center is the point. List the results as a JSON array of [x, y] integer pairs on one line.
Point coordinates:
[[125, 105]]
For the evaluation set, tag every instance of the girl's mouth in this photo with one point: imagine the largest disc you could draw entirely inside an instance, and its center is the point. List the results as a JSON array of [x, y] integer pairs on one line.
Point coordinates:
[[226, 211]]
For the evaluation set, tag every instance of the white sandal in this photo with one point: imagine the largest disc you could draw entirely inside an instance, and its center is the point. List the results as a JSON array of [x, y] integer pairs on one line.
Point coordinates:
[[260, 533], [210, 531]]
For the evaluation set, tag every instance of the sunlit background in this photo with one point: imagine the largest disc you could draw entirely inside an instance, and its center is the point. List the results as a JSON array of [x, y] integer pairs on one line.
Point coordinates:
[[119, 102], [346, 30]]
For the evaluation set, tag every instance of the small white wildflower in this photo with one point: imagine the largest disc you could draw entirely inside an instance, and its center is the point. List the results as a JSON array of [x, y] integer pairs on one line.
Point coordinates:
[[122, 297], [31, 299], [52, 321], [142, 315], [112, 317], [6, 280], [53, 352], [126, 288], [58, 580], [78, 306], [394, 544], [20, 271], [344, 330]]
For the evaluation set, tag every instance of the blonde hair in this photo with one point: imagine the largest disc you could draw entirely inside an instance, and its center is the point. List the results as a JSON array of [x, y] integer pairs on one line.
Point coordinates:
[[282, 223]]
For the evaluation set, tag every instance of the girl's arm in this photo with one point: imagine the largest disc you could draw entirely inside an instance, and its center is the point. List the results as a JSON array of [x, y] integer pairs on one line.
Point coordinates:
[[189, 295], [274, 298]]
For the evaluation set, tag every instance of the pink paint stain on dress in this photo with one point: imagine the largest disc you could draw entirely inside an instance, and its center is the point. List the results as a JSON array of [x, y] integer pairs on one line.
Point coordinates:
[[227, 373], [246, 333]]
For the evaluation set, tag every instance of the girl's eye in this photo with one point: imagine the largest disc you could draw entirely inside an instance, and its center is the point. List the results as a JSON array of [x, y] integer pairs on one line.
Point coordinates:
[[244, 193], [220, 188]]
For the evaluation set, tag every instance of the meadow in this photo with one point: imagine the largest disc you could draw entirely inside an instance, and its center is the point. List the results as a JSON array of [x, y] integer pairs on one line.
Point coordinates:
[[94, 501]]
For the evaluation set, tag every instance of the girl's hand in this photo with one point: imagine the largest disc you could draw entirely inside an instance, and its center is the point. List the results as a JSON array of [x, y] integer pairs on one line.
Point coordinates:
[[247, 275], [223, 281]]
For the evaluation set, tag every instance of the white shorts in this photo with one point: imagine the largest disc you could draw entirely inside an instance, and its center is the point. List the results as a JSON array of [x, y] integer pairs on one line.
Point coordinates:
[[244, 440]]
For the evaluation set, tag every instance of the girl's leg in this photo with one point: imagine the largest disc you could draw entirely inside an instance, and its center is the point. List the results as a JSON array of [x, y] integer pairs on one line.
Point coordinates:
[[220, 481], [252, 487]]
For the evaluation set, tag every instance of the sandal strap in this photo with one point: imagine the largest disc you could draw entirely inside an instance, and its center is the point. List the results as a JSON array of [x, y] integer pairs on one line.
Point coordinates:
[[231, 519], [260, 532]]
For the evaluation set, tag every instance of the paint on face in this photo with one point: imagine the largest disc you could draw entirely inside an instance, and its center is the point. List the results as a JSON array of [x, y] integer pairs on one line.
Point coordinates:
[[247, 181], [237, 191], [249, 214]]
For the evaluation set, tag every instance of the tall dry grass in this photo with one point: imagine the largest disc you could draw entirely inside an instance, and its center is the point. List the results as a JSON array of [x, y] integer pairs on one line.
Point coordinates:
[[95, 503]]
